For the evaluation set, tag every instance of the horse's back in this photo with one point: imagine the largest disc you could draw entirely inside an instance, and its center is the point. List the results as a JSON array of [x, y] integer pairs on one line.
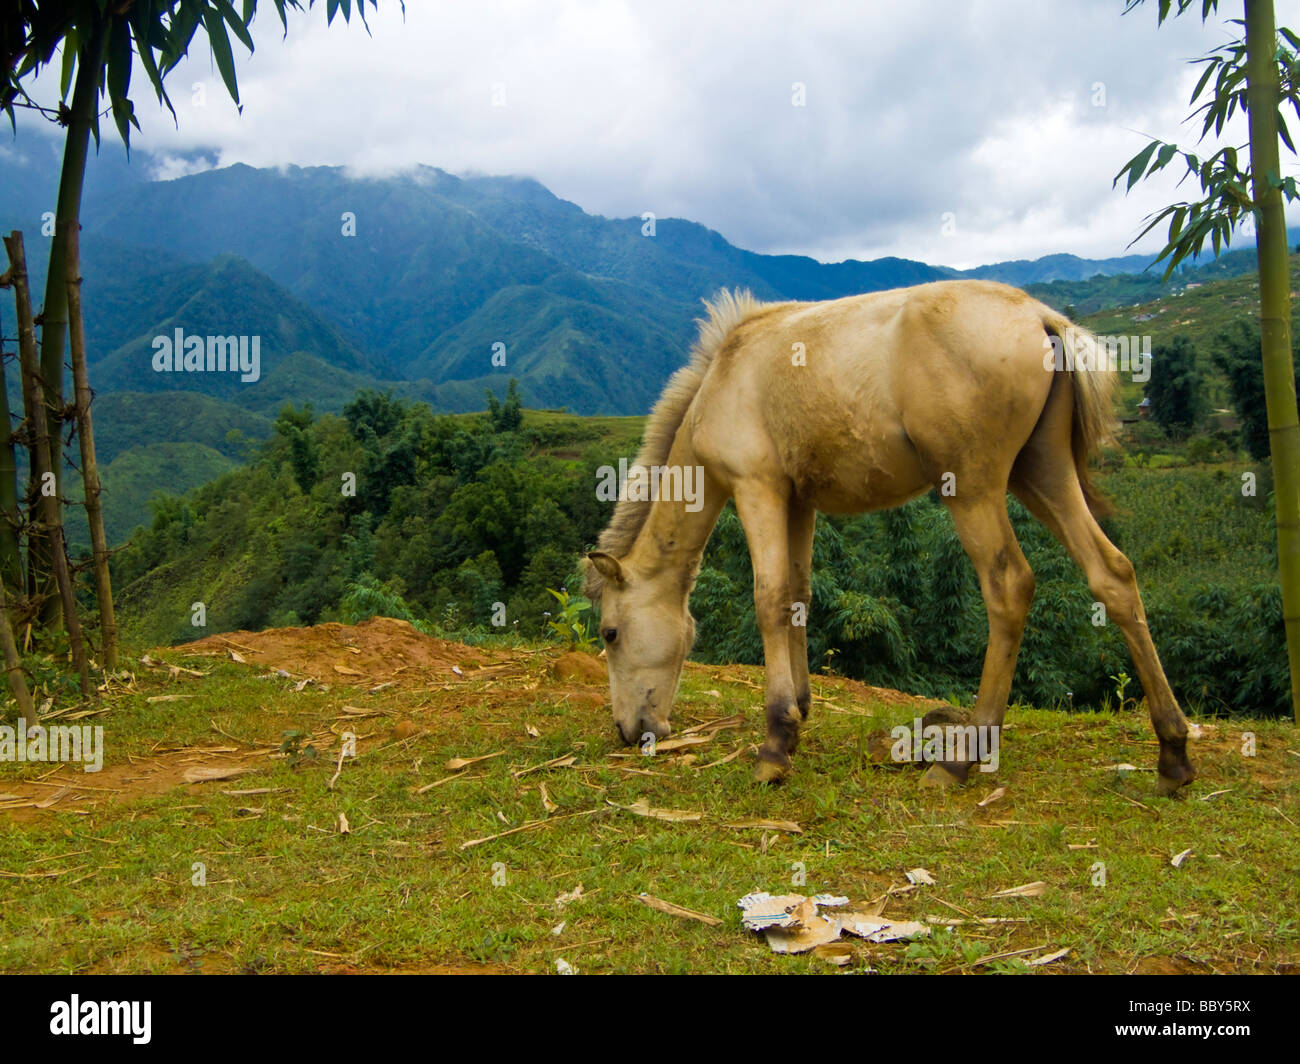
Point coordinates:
[[863, 402]]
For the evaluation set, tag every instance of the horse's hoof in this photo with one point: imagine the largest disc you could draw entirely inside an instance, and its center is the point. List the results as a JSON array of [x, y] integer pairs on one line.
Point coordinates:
[[1173, 769], [1167, 786], [770, 772], [939, 777]]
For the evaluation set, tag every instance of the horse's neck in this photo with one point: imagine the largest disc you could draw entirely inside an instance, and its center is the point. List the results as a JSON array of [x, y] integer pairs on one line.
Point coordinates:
[[674, 536]]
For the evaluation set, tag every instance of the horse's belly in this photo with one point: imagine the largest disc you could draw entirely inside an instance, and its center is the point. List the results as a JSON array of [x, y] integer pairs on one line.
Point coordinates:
[[857, 482]]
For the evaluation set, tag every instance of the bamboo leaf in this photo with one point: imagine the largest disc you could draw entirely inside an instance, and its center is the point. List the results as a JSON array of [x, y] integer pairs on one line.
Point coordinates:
[[71, 43], [144, 22], [216, 28], [182, 27], [1138, 164], [1209, 70], [1283, 133], [119, 78], [235, 23], [1176, 224], [1239, 194]]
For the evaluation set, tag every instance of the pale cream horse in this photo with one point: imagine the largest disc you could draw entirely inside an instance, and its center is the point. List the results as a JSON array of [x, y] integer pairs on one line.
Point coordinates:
[[854, 405]]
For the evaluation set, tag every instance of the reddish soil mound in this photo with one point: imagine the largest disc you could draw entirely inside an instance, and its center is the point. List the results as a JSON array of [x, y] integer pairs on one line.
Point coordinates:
[[379, 650], [866, 693], [584, 668], [823, 686]]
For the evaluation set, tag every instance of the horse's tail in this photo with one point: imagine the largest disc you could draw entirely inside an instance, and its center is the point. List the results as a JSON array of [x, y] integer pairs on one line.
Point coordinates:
[[1079, 354]]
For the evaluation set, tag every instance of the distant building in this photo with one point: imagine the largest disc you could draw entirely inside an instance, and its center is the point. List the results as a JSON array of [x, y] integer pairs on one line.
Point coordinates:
[[1144, 407]]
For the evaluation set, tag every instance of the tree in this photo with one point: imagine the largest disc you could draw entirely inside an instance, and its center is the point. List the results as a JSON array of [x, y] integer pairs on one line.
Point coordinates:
[[507, 416], [99, 43], [46, 503], [1236, 353], [1176, 388], [372, 414], [304, 456], [512, 411], [1255, 75], [89, 464]]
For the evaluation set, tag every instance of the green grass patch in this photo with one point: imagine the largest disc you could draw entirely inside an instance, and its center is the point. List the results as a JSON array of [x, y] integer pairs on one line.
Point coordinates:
[[111, 889]]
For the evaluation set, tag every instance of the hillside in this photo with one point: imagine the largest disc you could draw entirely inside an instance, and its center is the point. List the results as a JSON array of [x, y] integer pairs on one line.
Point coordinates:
[[1102, 291], [228, 760], [125, 419], [1199, 311]]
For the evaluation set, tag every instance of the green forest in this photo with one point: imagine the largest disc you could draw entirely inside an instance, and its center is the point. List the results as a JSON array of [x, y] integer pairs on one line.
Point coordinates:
[[472, 527]]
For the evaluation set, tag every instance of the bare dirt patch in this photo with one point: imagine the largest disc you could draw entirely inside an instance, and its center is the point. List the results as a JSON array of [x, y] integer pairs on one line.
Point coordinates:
[[379, 654], [380, 650], [421, 969], [69, 789], [1179, 965]]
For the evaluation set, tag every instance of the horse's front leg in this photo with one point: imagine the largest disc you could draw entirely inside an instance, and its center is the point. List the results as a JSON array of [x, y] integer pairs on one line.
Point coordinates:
[[763, 510], [801, 524]]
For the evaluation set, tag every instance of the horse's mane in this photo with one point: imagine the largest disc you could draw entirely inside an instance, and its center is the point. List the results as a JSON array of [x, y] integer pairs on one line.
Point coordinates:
[[725, 311]]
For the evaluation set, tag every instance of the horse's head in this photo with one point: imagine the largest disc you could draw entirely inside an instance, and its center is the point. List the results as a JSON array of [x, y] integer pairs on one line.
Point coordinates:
[[648, 631]]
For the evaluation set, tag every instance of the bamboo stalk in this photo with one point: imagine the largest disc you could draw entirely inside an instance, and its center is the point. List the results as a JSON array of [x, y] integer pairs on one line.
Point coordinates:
[[54, 315], [48, 500], [14, 666], [11, 564], [1263, 96], [38, 574], [89, 465]]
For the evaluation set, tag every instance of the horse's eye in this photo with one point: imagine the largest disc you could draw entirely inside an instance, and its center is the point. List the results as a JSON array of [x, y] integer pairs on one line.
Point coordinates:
[[609, 634]]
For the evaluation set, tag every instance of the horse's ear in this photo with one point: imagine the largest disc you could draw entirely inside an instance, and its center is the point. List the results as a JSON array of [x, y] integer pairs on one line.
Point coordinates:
[[607, 565]]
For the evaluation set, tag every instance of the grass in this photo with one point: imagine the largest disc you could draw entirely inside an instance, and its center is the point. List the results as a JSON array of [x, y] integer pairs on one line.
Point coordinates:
[[286, 892]]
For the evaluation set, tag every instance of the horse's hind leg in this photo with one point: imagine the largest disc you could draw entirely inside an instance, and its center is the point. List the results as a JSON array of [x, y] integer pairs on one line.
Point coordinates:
[[1007, 583], [764, 513], [801, 525], [1061, 507], [1044, 479]]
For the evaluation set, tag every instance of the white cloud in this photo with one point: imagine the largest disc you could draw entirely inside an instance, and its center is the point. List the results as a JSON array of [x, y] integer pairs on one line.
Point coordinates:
[[982, 109]]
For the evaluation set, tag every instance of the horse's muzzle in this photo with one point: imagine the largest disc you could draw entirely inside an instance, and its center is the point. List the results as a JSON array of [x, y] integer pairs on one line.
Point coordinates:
[[644, 727]]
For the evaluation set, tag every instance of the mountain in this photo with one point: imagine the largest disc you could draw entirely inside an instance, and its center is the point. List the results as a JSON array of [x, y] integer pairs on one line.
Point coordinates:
[[1022, 272], [223, 297], [412, 281]]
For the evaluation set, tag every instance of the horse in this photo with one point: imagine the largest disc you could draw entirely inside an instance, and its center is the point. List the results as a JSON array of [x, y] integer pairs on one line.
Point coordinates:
[[849, 406]]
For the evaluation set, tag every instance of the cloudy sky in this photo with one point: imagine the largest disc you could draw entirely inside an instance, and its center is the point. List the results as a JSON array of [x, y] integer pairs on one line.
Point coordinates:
[[952, 131]]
